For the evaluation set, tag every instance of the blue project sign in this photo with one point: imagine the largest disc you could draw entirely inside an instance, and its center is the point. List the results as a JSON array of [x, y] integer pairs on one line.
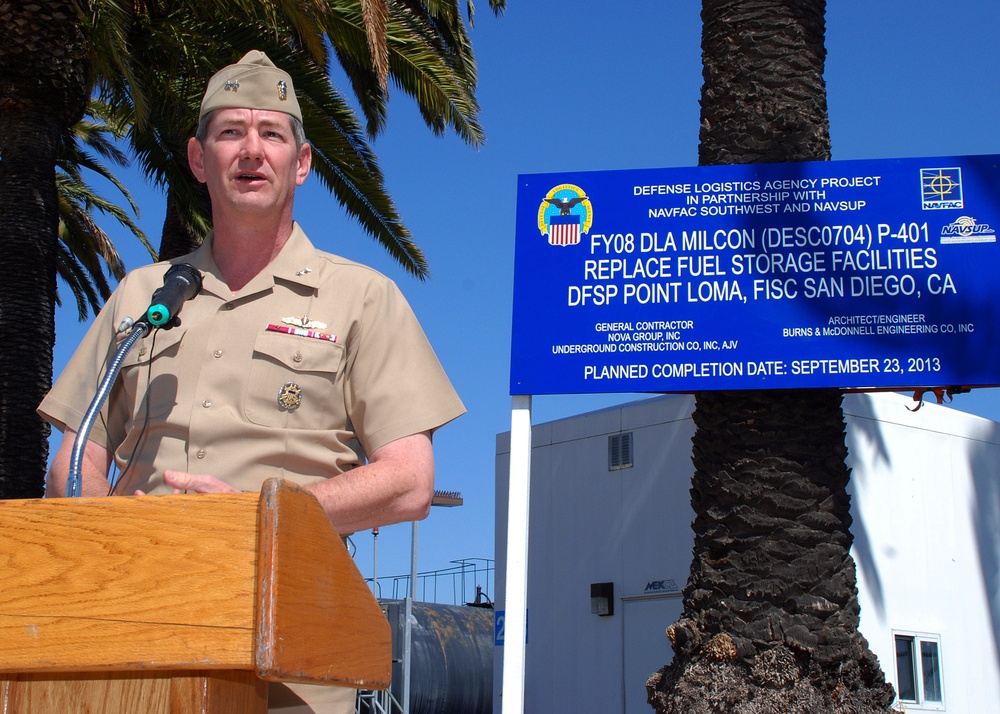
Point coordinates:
[[849, 274]]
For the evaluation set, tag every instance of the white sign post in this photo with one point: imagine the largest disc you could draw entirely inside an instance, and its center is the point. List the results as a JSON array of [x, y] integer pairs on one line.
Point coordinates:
[[516, 592]]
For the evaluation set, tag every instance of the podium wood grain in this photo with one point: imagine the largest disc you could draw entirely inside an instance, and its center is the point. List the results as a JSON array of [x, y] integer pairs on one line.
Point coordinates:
[[219, 692], [206, 593]]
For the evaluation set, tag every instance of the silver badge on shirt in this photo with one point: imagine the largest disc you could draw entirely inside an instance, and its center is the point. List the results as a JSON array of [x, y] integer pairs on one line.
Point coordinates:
[[304, 322], [289, 396]]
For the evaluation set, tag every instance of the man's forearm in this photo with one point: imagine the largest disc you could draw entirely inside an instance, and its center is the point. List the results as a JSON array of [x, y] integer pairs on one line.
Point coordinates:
[[396, 485], [94, 469], [361, 499]]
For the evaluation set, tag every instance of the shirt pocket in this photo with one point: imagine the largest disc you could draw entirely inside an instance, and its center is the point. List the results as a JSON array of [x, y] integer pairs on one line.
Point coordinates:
[[149, 373], [293, 383]]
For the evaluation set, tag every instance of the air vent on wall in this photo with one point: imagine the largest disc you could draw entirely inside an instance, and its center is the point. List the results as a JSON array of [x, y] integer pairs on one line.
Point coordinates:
[[620, 451]]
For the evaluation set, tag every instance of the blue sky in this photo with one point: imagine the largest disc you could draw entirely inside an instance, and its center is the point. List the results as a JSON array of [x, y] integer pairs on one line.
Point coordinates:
[[571, 87]]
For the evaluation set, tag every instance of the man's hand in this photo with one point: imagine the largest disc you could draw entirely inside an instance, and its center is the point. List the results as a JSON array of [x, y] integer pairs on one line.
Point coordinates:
[[182, 481]]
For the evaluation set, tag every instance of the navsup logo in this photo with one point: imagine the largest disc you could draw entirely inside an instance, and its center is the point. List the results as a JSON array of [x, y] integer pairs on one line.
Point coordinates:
[[565, 214], [941, 188], [966, 230]]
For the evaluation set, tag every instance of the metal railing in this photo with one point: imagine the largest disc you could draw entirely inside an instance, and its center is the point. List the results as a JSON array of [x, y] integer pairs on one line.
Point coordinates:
[[468, 581], [381, 702]]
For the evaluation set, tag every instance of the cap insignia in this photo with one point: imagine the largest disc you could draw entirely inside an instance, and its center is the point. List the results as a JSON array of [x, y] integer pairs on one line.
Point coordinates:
[[282, 90], [233, 85]]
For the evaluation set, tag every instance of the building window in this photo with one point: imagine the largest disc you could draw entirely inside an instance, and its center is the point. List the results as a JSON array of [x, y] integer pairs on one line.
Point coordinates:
[[918, 670], [620, 451]]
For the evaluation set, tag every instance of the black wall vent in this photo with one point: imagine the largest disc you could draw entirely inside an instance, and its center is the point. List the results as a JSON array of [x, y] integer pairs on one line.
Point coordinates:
[[620, 451]]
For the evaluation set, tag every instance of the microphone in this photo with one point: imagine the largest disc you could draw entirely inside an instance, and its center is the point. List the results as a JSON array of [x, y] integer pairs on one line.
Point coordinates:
[[180, 283]]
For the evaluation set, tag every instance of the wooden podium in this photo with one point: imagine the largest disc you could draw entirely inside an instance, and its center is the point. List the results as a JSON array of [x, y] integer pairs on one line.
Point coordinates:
[[179, 604]]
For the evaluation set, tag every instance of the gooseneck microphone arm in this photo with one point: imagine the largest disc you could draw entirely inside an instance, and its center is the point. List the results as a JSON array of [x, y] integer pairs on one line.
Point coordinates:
[[74, 482], [180, 283]]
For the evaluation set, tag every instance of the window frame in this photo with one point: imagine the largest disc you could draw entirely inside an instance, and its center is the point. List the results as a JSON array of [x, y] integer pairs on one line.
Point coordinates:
[[917, 640]]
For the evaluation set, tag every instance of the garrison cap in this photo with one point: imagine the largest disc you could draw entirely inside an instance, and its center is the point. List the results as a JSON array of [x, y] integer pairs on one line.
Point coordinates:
[[252, 83]]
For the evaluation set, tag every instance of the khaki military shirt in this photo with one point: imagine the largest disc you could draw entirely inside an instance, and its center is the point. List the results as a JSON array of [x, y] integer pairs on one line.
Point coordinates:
[[314, 363]]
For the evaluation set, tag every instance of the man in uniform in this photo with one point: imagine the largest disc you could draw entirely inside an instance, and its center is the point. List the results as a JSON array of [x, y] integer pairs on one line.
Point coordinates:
[[290, 363]]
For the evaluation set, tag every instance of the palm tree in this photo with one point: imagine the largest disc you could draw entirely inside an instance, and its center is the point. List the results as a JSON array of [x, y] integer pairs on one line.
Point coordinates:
[[44, 62], [150, 65], [770, 621]]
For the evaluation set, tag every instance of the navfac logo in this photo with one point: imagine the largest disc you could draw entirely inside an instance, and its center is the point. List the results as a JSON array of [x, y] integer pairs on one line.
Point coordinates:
[[941, 188], [565, 214], [965, 229]]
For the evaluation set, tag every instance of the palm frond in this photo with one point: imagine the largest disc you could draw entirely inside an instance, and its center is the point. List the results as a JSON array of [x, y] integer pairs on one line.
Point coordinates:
[[152, 87], [84, 251]]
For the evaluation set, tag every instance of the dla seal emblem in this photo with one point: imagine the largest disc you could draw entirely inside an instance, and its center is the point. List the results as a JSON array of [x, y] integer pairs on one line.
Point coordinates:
[[565, 214]]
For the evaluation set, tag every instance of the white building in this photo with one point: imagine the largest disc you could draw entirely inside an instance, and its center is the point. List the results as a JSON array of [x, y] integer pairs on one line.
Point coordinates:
[[926, 507]]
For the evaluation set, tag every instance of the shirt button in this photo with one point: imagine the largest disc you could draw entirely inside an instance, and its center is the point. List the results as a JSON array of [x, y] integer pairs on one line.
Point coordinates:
[[217, 354], [200, 454], [297, 357], [207, 403]]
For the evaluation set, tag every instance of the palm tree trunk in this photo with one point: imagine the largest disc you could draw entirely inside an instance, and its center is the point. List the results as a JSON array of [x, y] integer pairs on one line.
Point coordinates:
[[27, 299], [770, 621], [44, 87]]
